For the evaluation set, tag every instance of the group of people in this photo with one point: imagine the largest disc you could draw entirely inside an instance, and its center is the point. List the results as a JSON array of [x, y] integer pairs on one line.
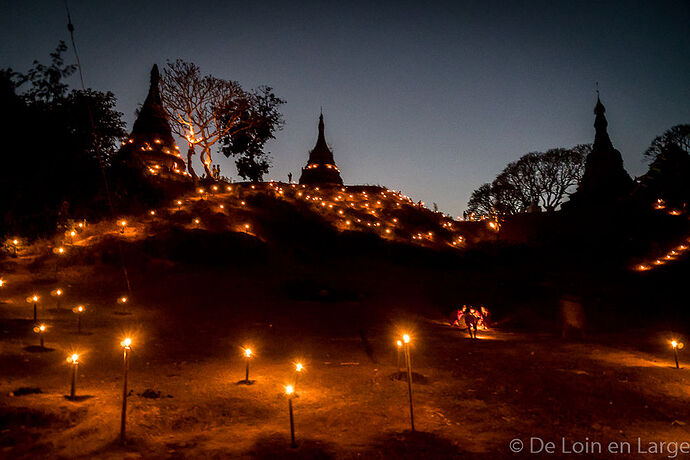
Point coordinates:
[[471, 317]]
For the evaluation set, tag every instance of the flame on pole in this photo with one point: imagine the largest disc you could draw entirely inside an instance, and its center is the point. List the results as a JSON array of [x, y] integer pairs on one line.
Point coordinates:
[[79, 309], [247, 355], [290, 391], [126, 345], [34, 298], [676, 346], [40, 330], [299, 367], [408, 361], [74, 360]]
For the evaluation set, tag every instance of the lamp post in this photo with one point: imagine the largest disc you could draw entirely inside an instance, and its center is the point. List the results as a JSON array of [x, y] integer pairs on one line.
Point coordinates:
[[676, 345], [298, 371], [74, 360], [57, 293], [40, 330], [399, 352], [289, 391], [126, 345], [406, 341], [247, 357], [123, 301], [79, 309], [34, 299], [59, 252]]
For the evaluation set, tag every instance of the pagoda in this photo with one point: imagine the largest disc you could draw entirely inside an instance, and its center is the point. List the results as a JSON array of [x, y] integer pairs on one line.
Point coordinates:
[[321, 168], [605, 180], [150, 145]]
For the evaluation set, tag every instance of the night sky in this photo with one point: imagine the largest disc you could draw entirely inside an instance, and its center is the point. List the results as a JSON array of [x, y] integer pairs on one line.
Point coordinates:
[[432, 100]]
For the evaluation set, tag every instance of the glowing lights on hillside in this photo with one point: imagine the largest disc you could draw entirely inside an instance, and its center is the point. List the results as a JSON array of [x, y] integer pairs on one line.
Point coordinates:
[[672, 255]]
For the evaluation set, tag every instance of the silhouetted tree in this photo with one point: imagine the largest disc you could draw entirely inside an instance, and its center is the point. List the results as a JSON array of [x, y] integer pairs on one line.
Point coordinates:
[[206, 109], [678, 135], [542, 178], [668, 177], [53, 154], [261, 119]]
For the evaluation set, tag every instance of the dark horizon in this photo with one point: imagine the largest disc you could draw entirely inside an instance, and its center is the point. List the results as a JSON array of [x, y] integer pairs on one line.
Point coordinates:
[[433, 101]]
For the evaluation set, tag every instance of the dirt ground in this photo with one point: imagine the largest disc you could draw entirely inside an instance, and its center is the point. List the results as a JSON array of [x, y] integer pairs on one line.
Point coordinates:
[[471, 398]]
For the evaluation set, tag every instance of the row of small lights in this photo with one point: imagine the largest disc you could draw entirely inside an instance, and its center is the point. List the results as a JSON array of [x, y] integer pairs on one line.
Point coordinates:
[[671, 255]]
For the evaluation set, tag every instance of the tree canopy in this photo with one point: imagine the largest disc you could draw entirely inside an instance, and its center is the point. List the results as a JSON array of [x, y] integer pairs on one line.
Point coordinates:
[[678, 136], [205, 109], [537, 179], [46, 176]]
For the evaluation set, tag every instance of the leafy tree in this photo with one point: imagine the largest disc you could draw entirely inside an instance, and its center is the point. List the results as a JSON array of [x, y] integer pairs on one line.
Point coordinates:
[[48, 176], [261, 121], [678, 135], [206, 109], [541, 178], [46, 82], [668, 176]]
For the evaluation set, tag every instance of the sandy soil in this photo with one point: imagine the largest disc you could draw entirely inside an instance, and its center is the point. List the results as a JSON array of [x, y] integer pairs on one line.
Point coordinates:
[[474, 397], [189, 323]]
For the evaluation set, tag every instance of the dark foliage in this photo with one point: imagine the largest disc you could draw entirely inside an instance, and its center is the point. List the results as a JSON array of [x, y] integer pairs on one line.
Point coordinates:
[[61, 143], [536, 179], [668, 177], [678, 136], [259, 123]]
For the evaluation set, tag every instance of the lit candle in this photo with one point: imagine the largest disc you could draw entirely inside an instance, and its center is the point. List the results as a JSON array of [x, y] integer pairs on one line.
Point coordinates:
[[40, 330], [247, 355], [34, 299], [79, 309], [408, 361], [298, 371], [74, 360], [676, 345], [57, 293], [289, 391], [126, 345]]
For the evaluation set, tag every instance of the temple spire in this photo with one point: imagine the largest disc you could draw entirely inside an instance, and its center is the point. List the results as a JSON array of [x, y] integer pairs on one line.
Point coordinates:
[[322, 135], [605, 180], [601, 135], [154, 96], [321, 168]]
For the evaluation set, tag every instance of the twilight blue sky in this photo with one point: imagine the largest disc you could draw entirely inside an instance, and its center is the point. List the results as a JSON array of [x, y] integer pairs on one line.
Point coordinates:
[[431, 98]]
